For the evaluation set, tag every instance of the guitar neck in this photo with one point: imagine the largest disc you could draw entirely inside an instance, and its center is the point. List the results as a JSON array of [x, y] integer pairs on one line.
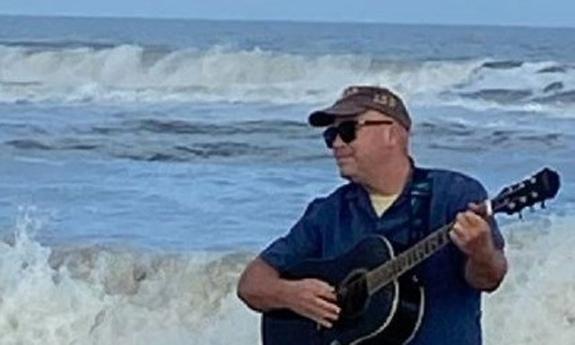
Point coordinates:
[[538, 188], [393, 269]]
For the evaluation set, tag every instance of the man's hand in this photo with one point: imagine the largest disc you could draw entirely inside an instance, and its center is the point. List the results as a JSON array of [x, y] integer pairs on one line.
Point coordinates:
[[486, 265], [313, 299], [262, 289], [471, 233]]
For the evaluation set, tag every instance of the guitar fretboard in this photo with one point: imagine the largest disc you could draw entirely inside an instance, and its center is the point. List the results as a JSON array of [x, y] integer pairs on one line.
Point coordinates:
[[410, 258], [540, 187]]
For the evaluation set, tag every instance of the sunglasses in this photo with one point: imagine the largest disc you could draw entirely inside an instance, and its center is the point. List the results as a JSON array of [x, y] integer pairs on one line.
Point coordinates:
[[347, 130]]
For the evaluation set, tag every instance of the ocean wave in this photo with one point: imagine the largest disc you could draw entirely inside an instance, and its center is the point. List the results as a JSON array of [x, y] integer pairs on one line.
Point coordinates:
[[74, 72], [184, 140], [52, 45], [502, 64], [112, 295], [540, 281], [516, 83], [131, 73], [177, 140], [97, 295], [566, 97], [499, 95]]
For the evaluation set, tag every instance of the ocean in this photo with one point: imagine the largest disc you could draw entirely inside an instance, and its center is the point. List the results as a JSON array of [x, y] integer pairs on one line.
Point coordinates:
[[145, 162]]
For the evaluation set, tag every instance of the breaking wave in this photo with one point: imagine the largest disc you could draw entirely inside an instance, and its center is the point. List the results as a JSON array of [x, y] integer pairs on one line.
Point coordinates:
[[97, 295], [31, 73]]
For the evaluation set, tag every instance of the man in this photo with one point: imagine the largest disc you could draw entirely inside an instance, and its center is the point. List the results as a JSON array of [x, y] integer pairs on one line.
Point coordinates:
[[368, 132]]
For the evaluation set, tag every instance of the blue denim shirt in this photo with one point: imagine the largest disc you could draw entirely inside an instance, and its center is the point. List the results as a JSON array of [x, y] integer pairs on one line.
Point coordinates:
[[333, 225]]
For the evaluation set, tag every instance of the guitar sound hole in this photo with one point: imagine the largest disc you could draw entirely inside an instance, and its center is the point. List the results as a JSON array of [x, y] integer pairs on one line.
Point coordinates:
[[353, 296]]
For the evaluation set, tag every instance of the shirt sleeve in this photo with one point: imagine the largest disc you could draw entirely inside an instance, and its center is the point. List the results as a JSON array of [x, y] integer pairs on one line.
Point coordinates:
[[303, 241]]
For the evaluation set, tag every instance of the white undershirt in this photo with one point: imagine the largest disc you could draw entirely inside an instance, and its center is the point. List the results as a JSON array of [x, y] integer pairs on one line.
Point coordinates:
[[381, 203]]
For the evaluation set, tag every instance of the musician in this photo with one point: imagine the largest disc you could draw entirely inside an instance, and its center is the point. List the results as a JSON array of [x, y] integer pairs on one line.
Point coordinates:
[[367, 130]]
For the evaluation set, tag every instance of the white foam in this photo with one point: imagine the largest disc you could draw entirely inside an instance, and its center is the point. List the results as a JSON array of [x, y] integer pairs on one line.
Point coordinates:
[[536, 303], [93, 296], [130, 73], [127, 74], [96, 296], [525, 77]]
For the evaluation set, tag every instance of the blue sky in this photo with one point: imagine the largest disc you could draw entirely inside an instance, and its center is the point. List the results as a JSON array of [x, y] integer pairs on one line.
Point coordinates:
[[490, 12]]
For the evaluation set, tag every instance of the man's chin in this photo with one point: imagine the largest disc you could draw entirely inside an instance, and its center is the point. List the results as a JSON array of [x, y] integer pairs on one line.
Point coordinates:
[[346, 170], [346, 174]]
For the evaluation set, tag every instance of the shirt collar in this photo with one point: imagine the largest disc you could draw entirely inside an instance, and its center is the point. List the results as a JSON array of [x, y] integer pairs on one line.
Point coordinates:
[[357, 190]]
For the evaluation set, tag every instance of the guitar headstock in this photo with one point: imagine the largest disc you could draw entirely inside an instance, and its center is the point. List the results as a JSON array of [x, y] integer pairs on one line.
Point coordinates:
[[537, 189]]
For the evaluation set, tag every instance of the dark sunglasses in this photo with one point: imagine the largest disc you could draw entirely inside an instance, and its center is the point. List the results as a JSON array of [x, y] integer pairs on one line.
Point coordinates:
[[347, 130]]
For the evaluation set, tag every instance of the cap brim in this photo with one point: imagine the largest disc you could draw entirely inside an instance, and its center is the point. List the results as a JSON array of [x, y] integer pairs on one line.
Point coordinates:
[[326, 117]]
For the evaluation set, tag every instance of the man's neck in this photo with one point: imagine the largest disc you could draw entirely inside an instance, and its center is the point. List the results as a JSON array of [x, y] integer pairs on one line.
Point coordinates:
[[390, 178]]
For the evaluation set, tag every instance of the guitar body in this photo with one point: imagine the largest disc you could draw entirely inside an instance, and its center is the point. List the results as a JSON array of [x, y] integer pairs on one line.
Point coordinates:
[[390, 316]]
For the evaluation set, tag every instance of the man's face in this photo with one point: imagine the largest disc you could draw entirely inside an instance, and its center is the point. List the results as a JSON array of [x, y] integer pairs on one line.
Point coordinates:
[[373, 139]]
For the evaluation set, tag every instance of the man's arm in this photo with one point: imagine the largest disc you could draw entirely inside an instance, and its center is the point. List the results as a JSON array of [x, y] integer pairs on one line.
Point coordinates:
[[262, 289], [486, 264], [488, 272]]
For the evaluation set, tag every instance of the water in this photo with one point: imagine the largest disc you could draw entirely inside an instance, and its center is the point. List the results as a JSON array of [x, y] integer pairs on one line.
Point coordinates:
[[144, 162]]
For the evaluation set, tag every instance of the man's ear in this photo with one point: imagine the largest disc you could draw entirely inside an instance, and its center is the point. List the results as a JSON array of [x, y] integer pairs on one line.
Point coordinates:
[[394, 135], [399, 136]]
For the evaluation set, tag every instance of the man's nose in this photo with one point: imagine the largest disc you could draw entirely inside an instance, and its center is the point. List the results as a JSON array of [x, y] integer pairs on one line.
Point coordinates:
[[337, 142]]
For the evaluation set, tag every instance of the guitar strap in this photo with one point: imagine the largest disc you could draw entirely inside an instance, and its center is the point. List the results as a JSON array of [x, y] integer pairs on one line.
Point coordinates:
[[420, 210], [417, 224]]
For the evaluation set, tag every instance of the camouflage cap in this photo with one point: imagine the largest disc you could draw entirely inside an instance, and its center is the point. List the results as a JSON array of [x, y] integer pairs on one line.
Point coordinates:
[[358, 99]]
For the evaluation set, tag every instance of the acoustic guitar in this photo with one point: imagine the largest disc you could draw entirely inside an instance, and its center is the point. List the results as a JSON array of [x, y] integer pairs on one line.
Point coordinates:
[[380, 303]]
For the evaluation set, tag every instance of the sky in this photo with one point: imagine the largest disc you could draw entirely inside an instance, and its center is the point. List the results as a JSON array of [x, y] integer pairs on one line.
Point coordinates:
[[552, 13]]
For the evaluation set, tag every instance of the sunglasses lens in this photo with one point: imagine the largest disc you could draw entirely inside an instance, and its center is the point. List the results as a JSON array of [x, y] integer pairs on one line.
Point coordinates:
[[346, 131], [329, 136]]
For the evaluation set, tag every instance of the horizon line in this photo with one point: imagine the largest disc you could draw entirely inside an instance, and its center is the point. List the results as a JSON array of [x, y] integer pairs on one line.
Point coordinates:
[[284, 20]]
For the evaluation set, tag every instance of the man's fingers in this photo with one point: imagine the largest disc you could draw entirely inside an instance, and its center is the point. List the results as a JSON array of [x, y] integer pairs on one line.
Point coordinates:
[[475, 207], [456, 239], [472, 219], [325, 286], [328, 295], [324, 323], [454, 235], [325, 291], [324, 313], [468, 219], [319, 303], [321, 315], [457, 230], [462, 219], [329, 310], [479, 209]]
